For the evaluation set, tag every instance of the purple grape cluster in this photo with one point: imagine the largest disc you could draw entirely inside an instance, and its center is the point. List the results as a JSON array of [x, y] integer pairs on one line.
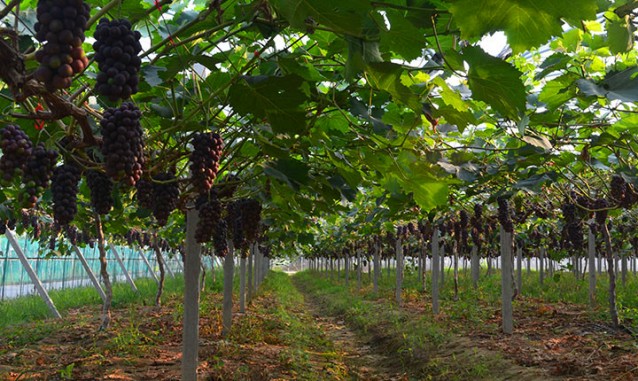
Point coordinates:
[[116, 52], [123, 145], [61, 23], [16, 150], [204, 160]]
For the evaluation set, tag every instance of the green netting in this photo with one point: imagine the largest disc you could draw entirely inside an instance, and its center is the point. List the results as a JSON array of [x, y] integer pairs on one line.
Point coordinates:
[[67, 271]]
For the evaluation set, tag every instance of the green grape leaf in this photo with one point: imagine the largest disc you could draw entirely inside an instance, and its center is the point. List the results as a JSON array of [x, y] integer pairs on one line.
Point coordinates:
[[495, 82], [526, 23], [402, 37], [277, 99], [622, 85], [387, 76], [347, 17], [620, 33]]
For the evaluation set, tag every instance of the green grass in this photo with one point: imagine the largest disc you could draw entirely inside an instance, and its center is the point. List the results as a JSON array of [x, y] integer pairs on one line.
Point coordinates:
[[278, 317], [423, 333], [562, 287], [292, 324], [418, 343], [32, 308]]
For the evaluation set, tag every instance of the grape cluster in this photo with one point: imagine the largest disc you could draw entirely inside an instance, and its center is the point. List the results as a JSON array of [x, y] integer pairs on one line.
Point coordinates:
[[146, 239], [163, 244], [116, 52], [122, 146], [101, 188], [26, 218], [402, 231], [204, 160], [37, 173], [541, 211], [463, 222], [61, 23], [463, 218], [52, 241], [64, 190], [129, 236], [234, 222], [135, 236], [617, 188], [144, 193], [72, 234], [477, 227], [165, 196], [265, 250], [622, 193], [631, 197], [601, 213], [84, 237], [210, 215], [389, 238], [575, 235], [219, 239], [523, 210], [37, 228], [16, 149], [505, 214], [250, 218], [422, 227], [31, 221], [569, 212]]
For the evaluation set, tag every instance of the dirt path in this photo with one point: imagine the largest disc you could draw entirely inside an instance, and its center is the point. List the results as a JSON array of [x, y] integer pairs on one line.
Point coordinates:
[[360, 360], [380, 353]]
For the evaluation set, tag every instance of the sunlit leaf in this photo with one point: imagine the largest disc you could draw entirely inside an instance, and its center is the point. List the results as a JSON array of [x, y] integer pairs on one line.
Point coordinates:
[[526, 23], [495, 82]]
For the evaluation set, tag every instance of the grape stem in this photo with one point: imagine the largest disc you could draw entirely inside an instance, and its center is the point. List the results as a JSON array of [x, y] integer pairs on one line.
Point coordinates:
[[626, 9], [102, 12]]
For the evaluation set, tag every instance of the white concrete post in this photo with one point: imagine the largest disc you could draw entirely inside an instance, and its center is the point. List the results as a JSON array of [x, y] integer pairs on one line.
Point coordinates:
[[124, 270], [90, 273], [34, 277]]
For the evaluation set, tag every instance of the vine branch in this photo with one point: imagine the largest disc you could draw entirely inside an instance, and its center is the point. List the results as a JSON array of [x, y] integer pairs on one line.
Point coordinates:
[[23, 86], [6, 10]]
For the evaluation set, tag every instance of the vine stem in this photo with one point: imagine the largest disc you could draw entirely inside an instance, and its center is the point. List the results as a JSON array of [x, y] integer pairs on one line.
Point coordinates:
[[174, 35], [160, 263], [112, 4], [108, 290], [381, 4], [626, 9], [440, 50], [6, 10]]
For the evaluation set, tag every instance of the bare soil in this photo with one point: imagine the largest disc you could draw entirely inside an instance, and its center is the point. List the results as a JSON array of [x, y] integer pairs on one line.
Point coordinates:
[[565, 340], [551, 341]]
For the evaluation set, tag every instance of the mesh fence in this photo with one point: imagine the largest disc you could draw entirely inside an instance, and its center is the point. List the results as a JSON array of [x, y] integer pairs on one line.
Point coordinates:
[[67, 271]]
